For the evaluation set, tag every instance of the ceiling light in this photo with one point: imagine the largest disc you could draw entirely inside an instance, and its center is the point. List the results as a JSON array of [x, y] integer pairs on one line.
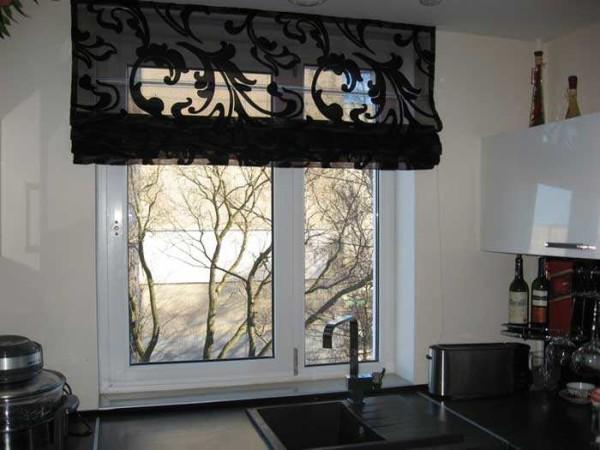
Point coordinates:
[[307, 2], [430, 2]]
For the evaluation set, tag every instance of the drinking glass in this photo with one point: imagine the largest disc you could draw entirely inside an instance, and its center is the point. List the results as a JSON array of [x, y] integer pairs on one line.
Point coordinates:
[[538, 371], [586, 359], [557, 360]]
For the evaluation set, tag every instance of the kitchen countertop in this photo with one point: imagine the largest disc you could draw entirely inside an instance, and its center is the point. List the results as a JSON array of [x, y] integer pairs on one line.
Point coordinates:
[[394, 416], [411, 416], [221, 427], [218, 429], [83, 442], [531, 420]]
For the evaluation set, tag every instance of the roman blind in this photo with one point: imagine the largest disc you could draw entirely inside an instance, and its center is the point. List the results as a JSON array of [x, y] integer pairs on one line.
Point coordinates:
[[167, 83]]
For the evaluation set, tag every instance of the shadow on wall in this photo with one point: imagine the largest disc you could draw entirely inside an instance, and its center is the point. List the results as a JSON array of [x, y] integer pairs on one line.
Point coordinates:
[[47, 205], [31, 117]]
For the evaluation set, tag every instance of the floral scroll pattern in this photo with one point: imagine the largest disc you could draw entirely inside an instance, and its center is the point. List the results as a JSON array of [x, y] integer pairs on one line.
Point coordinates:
[[395, 126]]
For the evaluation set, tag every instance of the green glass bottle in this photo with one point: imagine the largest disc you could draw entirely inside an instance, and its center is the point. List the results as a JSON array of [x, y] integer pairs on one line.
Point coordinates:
[[539, 296], [518, 296]]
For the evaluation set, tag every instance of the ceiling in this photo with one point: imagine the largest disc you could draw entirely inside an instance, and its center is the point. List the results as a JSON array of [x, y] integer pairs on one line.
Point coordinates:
[[520, 19]]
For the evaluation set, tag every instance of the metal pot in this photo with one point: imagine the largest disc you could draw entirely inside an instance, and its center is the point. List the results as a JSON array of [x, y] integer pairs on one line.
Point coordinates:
[[34, 404], [28, 404], [21, 359], [49, 435]]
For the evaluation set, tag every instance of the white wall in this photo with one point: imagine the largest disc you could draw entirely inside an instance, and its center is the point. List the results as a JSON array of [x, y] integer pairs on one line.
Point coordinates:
[[482, 88], [573, 54], [47, 215]]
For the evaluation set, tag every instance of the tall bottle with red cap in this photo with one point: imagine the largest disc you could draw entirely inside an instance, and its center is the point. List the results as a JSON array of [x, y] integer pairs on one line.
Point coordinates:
[[537, 115]]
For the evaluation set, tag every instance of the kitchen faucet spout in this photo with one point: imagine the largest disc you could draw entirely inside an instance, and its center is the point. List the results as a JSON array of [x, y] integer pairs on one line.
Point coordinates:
[[328, 339], [357, 384]]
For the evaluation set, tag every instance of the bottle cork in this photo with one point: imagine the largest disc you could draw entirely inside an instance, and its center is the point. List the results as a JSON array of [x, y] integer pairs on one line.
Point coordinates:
[[572, 82]]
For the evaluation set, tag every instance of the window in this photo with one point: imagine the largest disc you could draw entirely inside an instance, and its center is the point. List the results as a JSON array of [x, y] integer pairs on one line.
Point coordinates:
[[339, 236], [200, 263], [213, 276]]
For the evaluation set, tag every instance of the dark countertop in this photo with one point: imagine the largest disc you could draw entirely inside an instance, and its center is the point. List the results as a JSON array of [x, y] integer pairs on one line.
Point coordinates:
[[531, 420], [394, 416], [412, 416], [82, 442], [219, 429]]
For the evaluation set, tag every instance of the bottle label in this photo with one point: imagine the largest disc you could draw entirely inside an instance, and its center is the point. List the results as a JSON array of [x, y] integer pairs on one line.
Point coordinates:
[[539, 298], [517, 308], [539, 306], [539, 315]]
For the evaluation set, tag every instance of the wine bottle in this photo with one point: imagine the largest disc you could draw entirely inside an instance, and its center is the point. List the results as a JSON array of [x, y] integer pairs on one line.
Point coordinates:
[[537, 116], [573, 106], [518, 300], [539, 296]]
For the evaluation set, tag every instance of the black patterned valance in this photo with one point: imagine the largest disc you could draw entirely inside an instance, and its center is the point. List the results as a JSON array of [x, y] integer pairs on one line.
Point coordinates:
[[155, 82]]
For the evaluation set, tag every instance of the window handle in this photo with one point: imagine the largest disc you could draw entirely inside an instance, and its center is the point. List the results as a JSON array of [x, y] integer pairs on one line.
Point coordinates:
[[295, 362], [570, 245], [116, 222]]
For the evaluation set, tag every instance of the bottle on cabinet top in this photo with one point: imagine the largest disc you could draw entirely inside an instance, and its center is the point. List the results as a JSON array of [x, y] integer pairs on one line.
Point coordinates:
[[518, 300], [537, 115], [573, 106], [539, 296]]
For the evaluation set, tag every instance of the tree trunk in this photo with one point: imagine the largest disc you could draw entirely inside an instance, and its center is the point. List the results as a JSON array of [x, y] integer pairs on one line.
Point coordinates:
[[211, 314], [137, 345], [250, 320], [152, 297], [213, 295]]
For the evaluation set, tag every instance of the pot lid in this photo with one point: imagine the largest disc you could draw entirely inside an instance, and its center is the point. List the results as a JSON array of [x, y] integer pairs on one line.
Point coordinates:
[[46, 381], [12, 346]]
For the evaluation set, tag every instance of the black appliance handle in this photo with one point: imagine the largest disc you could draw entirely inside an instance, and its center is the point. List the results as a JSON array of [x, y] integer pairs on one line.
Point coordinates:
[[71, 404]]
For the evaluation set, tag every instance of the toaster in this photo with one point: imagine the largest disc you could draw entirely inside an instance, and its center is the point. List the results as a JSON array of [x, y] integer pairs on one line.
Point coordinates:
[[478, 370]]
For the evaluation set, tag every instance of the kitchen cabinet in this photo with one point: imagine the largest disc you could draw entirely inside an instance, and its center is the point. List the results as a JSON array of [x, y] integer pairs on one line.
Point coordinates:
[[541, 190]]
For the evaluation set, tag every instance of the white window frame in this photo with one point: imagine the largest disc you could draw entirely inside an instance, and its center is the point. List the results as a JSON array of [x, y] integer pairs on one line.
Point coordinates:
[[118, 376]]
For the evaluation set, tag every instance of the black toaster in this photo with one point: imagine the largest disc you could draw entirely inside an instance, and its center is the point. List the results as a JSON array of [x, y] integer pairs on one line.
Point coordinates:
[[478, 370]]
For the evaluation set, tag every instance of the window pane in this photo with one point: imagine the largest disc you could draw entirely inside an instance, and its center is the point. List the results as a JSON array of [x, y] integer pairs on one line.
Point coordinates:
[[339, 270], [200, 255], [330, 83], [258, 103]]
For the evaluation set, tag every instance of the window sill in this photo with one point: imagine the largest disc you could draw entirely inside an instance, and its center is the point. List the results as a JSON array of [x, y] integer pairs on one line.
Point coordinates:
[[236, 393]]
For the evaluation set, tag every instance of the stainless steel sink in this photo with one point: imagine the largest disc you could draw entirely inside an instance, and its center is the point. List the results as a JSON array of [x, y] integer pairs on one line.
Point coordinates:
[[311, 426]]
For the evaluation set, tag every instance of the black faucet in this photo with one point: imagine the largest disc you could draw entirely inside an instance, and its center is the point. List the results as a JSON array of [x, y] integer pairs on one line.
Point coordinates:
[[358, 385]]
